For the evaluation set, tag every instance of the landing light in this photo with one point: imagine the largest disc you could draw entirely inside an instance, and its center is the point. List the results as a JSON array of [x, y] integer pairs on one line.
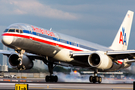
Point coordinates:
[[75, 71]]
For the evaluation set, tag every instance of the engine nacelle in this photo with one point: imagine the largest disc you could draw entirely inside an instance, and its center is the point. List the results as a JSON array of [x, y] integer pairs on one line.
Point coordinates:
[[14, 62], [100, 61]]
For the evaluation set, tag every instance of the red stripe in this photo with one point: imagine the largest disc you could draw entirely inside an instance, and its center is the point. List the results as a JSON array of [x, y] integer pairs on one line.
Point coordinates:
[[41, 40], [119, 62]]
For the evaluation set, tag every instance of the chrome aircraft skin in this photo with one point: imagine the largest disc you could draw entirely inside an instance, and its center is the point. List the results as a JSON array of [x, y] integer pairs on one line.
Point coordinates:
[[32, 42]]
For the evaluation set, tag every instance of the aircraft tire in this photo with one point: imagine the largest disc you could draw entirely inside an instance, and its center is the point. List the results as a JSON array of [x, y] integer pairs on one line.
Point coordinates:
[[90, 78], [51, 79], [96, 78], [99, 79], [55, 78], [47, 78]]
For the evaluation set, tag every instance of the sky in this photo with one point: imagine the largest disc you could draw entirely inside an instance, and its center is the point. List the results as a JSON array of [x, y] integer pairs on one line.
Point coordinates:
[[93, 20]]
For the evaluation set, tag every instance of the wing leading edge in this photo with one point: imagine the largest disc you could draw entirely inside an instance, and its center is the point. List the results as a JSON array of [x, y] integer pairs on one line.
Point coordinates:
[[130, 54]]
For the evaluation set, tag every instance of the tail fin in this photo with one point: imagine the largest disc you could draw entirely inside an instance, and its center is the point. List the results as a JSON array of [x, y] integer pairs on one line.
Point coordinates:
[[121, 40]]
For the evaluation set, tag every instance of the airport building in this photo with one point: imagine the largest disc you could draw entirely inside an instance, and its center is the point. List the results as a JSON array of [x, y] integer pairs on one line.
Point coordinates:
[[3, 60]]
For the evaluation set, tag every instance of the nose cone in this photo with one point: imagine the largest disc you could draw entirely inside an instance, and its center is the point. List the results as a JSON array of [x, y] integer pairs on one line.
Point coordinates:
[[7, 40]]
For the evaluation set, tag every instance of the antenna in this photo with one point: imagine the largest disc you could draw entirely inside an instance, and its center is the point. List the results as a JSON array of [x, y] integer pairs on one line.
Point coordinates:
[[50, 29]]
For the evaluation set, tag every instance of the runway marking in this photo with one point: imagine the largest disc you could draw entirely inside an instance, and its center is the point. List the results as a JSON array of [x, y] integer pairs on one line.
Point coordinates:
[[123, 87], [38, 87], [67, 89], [54, 88]]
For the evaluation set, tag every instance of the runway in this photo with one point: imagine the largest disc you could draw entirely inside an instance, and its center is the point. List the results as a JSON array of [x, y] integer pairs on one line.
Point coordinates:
[[40, 84], [67, 86]]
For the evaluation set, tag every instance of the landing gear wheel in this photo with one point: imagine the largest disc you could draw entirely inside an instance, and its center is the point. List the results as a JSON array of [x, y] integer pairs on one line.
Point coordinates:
[[55, 79], [47, 78], [99, 79], [91, 78], [95, 79], [51, 79]]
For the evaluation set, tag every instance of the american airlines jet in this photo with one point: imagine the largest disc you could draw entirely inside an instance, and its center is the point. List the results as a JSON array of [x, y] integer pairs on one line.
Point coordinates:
[[53, 48]]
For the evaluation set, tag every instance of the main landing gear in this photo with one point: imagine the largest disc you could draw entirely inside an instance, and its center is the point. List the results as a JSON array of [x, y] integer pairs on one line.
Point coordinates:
[[95, 78], [51, 78]]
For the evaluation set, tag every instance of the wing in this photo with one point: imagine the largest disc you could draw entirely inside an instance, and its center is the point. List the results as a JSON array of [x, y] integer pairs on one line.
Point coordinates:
[[130, 54], [30, 55], [114, 55], [6, 52]]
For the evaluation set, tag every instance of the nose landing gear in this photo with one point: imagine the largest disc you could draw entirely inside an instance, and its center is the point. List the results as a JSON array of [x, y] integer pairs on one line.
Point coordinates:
[[20, 58]]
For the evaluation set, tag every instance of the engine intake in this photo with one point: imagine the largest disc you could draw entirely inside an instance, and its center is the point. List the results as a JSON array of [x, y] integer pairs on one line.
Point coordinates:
[[14, 62], [100, 61]]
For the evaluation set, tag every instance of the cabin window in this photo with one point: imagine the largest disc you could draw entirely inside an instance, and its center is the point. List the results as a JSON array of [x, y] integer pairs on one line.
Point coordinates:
[[72, 43], [64, 41]]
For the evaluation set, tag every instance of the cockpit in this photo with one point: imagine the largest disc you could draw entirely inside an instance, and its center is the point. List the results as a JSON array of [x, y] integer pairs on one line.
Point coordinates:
[[14, 30], [29, 29], [18, 28]]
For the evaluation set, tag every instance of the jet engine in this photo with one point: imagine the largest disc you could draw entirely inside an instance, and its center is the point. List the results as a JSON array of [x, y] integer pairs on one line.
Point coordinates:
[[100, 61], [15, 63]]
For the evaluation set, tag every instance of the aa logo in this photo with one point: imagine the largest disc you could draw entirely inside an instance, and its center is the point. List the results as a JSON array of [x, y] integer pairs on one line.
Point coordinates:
[[122, 39]]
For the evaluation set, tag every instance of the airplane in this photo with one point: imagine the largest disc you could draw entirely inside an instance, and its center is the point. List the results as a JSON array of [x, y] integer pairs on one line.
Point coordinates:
[[31, 42]]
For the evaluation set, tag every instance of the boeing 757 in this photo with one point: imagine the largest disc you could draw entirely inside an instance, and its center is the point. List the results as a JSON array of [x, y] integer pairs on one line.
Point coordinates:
[[31, 42]]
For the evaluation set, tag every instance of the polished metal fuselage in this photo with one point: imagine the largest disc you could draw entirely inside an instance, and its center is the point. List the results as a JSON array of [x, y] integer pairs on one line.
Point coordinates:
[[56, 52]]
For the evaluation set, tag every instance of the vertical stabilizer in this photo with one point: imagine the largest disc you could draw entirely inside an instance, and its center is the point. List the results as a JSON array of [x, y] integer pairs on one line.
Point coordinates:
[[121, 40]]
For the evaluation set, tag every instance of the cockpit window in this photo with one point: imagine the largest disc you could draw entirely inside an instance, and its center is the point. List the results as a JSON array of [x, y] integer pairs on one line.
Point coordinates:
[[6, 30], [11, 30], [17, 30], [21, 31]]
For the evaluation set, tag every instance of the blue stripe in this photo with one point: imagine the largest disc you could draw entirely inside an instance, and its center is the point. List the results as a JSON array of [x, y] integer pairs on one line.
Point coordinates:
[[59, 40], [26, 31]]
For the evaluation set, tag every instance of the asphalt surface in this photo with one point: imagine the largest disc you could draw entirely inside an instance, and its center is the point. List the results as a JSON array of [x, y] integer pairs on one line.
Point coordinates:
[[67, 86], [40, 84]]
